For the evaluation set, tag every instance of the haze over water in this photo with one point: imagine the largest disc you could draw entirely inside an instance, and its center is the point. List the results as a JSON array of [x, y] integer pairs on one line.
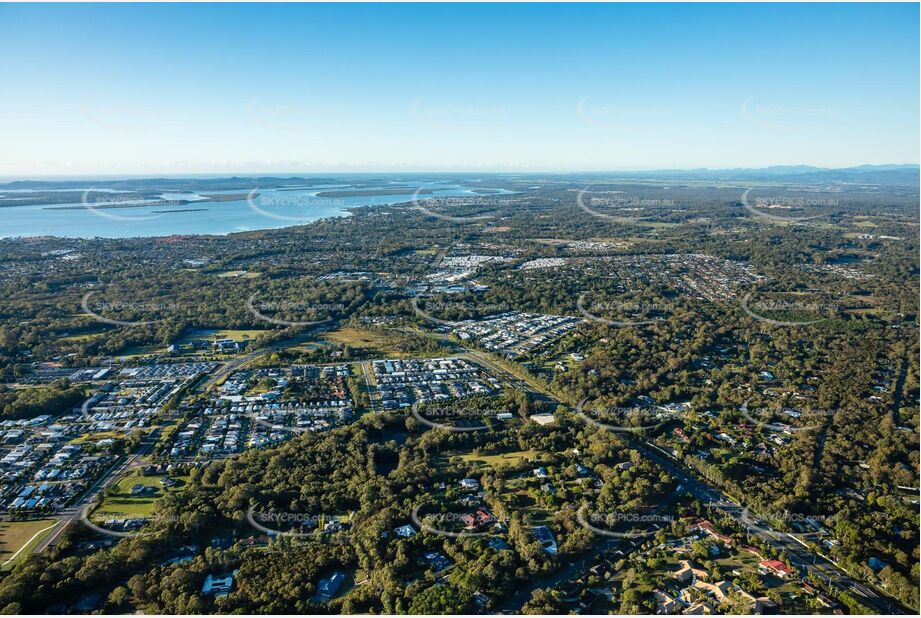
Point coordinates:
[[270, 208]]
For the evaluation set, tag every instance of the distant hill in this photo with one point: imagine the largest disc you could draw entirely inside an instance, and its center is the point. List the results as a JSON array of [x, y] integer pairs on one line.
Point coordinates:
[[884, 175]]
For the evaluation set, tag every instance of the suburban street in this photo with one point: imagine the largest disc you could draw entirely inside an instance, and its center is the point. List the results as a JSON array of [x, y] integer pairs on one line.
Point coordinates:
[[74, 512], [801, 556]]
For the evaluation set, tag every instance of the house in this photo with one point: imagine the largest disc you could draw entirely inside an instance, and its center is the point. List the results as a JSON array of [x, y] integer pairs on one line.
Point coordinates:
[[470, 484], [542, 419], [540, 472], [497, 543], [761, 605], [481, 517], [707, 527], [764, 605], [687, 572], [775, 567], [719, 591], [698, 609], [254, 541], [666, 604], [437, 561], [328, 587], [480, 602], [141, 490], [405, 531], [218, 585], [546, 538]]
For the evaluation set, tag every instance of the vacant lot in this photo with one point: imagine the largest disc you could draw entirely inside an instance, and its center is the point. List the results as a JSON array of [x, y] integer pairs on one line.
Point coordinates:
[[210, 334], [119, 503], [16, 535], [387, 344], [511, 459]]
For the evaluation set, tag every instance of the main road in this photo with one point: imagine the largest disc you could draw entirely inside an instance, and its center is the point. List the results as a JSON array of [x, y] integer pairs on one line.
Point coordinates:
[[800, 554], [73, 513]]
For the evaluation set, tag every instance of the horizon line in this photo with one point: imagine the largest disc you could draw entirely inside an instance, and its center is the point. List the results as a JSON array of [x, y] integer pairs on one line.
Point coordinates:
[[154, 174]]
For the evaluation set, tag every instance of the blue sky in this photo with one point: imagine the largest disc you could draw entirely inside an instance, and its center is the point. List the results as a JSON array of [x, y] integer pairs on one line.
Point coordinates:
[[293, 88]]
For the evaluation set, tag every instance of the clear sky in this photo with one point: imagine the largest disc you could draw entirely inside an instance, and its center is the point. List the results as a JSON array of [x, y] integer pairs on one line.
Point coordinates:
[[124, 89]]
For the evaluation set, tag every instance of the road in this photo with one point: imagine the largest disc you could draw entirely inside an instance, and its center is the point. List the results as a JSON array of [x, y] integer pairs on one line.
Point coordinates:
[[73, 512], [367, 372], [235, 364], [800, 555], [572, 570], [229, 367], [899, 391], [479, 358]]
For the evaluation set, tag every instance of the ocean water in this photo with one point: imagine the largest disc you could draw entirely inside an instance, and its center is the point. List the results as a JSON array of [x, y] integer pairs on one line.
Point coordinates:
[[267, 209]]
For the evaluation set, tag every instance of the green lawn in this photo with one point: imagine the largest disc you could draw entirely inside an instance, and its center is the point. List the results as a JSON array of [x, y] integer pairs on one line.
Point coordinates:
[[16, 535], [230, 274], [386, 344], [512, 458], [118, 502], [208, 334], [81, 337]]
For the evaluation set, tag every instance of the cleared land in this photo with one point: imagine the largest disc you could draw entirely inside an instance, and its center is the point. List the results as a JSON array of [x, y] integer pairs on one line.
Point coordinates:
[[383, 343], [21, 535], [119, 503]]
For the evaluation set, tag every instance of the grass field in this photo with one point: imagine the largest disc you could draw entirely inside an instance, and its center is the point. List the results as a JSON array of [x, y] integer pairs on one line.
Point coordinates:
[[383, 343], [99, 435], [118, 502], [512, 458], [238, 273], [81, 337], [140, 350], [208, 334], [16, 535]]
